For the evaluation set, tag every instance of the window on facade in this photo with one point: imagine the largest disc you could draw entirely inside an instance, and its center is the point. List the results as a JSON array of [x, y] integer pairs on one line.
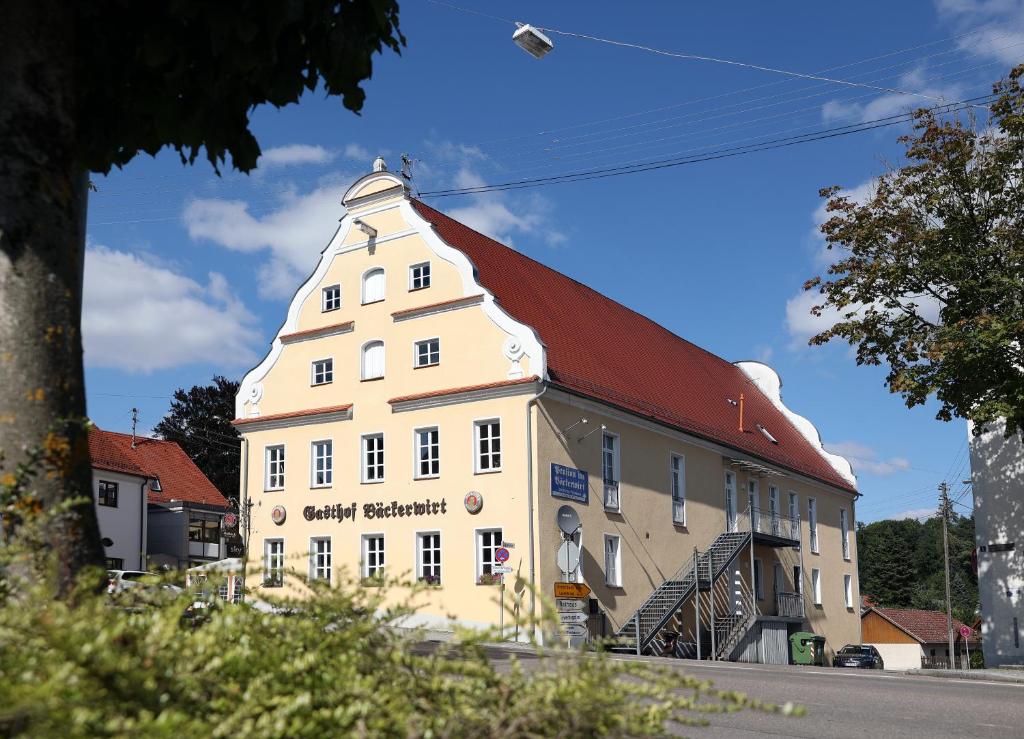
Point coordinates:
[[794, 507], [844, 530], [330, 298], [115, 563], [373, 458], [754, 505], [778, 586], [798, 584], [320, 559], [419, 276], [274, 474], [488, 541], [731, 522], [773, 510], [373, 360], [428, 452], [239, 589], [488, 445], [427, 353], [222, 590], [428, 557], [677, 481], [812, 523], [816, 585], [373, 286], [848, 590], [273, 562], [610, 470], [204, 528], [758, 579], [612, 561], [323, 371], [373, 555], [107, 494], [322, 463]]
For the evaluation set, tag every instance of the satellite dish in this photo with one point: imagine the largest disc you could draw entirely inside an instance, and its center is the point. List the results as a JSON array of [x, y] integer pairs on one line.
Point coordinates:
[[107, 541], [568, 521]]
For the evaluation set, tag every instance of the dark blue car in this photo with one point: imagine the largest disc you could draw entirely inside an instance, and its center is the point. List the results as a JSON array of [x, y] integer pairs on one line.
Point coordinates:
[[864, 656]]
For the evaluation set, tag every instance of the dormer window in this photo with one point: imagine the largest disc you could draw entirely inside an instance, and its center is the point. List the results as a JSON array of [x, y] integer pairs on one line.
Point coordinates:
[[373, 286], [330, 298], [419, 276], [154, 485], [767, 434]]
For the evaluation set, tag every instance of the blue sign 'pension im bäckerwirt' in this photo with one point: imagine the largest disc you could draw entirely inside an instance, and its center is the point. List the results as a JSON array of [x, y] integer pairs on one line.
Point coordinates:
[[569, 483]]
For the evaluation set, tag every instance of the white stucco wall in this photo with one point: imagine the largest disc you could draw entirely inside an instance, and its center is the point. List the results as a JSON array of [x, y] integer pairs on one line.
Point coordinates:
[[997, 474], [900, 656], [125, 525]]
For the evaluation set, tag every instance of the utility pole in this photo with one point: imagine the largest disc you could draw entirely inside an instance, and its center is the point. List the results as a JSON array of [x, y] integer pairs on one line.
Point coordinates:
[[135, 421], [943, 509]]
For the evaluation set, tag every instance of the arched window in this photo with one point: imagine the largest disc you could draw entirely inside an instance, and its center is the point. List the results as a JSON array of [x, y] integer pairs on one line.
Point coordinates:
[[373, 360], [373, 285]]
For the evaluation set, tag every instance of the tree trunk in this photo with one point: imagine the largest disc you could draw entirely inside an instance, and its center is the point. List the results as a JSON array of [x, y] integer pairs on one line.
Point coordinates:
[[43, 198]]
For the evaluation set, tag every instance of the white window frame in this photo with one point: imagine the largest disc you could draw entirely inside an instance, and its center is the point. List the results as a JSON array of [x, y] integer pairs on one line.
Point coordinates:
[[362, 359], [612, 485], [273, 561], [421, 549], [328, 463], [321, 562], [416, 363], [677, 487], [384, 288], [481, 549], [479, 456], [364, 555], [812, 524], [613, 565], [731, 516], [269, 464], [364, 467], [774, 510], [844, 530], [324, 308], [816, 585], [754, 504], [327, 371], [417, 448], [794, 505], [848, 590], [413, 277], [758, 578]]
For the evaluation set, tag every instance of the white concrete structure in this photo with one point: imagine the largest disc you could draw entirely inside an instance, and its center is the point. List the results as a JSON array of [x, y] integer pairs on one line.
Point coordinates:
[[121, 509], [899, 656], [997, 474]]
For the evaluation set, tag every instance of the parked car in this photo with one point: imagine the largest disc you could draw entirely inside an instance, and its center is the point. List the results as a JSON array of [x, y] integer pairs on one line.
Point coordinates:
[[859, 655], [120, 580]]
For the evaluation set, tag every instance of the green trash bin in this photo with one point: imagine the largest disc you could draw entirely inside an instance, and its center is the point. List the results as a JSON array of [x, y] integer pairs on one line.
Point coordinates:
[[801, 647], [818, 645]]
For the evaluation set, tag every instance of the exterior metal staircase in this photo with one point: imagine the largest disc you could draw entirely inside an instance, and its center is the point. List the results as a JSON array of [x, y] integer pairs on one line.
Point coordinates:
[[644, 631]]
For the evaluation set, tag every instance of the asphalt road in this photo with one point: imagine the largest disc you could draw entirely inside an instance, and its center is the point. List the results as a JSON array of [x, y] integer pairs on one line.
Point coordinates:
[[852, 703]]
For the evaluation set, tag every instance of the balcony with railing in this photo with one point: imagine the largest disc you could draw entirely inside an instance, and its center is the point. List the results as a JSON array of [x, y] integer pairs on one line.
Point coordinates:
[[789, 605], [771, 527]]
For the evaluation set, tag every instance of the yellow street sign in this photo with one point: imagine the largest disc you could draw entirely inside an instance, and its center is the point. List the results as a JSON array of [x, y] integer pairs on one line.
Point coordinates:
[[571, 590]]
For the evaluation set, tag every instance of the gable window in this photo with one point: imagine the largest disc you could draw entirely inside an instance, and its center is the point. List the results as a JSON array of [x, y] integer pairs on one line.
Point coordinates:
[[373, 555], [848, 590], [373, 286], [759, 579], [373, 458], [612, 561], [273, 562], [488, 541], [330, 298], [428, 352], [844, 530], [488, 445], [428, 452], [373, 360], [323, 371], [677, 481], [428, 557], [610, 471], [812, 523], [321, 467], [320, 559], [107, 494], [816, 585], [419, 276], [274, 471]]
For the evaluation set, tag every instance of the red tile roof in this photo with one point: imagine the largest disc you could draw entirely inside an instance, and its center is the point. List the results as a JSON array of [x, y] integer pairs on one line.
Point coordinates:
[[179, 477], [928, 627], [466, 389], [599, 348]]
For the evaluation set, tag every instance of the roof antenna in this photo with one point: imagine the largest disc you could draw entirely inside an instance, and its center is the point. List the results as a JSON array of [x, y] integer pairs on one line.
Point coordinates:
[[135, 420], [407, 167]]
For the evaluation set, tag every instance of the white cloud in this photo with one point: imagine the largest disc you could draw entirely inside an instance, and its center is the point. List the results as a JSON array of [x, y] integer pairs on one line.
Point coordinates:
[[294, 154], [865, 459], [997, 27], [357, 153], [139, 315], [928, 93], [917, 513]]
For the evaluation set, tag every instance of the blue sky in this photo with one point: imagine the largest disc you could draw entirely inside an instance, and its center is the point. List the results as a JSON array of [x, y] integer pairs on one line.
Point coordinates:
[[188, 275]]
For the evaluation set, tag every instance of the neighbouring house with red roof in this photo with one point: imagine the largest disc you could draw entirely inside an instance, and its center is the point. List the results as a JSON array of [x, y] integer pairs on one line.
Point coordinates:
[[154, 506], [908, 638], [439, 404]]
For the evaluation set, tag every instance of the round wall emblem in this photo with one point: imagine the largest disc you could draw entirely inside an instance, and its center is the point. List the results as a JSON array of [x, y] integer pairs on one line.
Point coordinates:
[[474, 501], [278, 514], [230, 520]]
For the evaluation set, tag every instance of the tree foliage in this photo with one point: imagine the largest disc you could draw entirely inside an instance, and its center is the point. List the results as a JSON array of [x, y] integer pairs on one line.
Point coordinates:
[[200, 423], [930, 277]]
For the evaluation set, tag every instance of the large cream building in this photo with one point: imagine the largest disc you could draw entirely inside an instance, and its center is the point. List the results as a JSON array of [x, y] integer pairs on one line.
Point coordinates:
[[434, 396]]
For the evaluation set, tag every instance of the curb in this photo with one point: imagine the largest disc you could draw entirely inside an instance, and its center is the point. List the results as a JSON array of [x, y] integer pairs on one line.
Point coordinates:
[[989, 675]]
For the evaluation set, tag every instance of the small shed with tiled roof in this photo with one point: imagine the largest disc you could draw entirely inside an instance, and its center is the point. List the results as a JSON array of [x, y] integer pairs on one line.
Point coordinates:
[[909, 638]]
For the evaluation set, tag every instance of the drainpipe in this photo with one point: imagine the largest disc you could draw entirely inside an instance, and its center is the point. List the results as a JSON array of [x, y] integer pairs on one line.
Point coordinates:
[[143, 563], [529, 501], [243, 509]]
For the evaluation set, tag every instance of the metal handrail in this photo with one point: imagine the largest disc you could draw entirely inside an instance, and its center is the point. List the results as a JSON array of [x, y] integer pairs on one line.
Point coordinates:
[[760, 521]]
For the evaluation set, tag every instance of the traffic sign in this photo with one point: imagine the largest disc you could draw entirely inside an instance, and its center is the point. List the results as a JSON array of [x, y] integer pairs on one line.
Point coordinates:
[[567, 604], [501, 554], [572, 617], [965, 632], [568, 556], [571, 590], [573, 630], [501, 570]]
